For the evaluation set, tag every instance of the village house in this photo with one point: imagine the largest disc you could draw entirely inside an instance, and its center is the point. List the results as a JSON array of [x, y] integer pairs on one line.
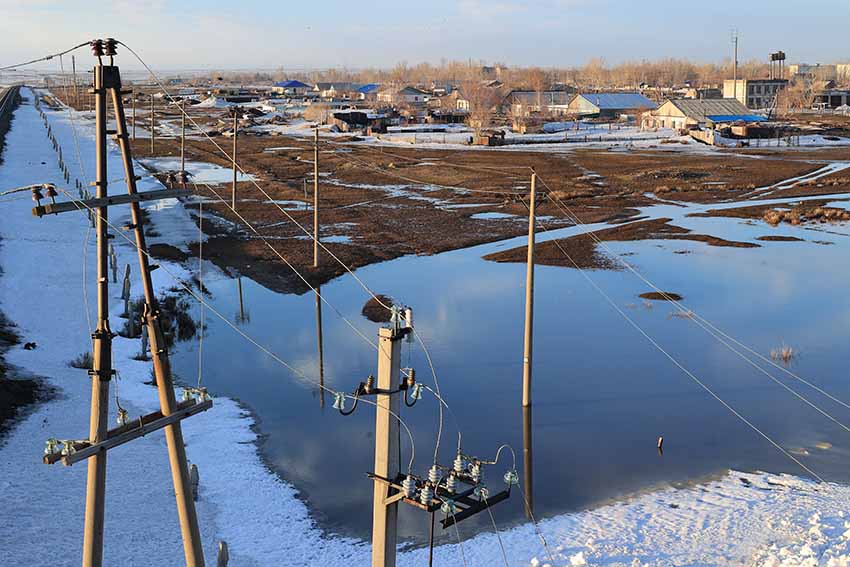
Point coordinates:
[[609, 105], [685, 113], [368, 91], [292, 88], [407, 96], [754, 93], [333, 90], [525, 102]]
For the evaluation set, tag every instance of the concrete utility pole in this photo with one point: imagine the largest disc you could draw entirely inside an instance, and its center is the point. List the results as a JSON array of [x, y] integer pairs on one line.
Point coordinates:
[[529, 299], [101, 372], [235, 173], [385, 516], [316, 199]]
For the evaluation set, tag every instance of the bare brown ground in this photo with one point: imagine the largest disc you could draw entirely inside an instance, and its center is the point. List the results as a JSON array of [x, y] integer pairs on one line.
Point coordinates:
[[386, 203], [583, 250]]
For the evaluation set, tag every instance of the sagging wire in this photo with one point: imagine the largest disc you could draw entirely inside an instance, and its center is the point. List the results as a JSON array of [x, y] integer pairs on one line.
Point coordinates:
[[304, 229], [678, 364], [714, 332], [45, 58], [81, 204]]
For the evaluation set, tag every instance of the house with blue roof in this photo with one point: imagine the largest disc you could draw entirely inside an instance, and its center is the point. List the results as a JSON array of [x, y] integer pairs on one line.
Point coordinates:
[[686, 114], [609, 105], [291, 87], [369, 91]]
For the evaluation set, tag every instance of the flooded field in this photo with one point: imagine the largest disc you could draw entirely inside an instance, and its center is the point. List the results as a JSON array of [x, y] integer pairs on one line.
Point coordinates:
[[603, 394]]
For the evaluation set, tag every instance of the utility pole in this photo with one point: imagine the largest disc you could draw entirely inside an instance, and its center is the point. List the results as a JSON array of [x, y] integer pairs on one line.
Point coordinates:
[[183, 135], [529, 299], [384, 515], [134, 114], [235, 136], [76, 91], [528, 460], [101, 372], [316, 198], [153, 124], [107, 80], [159, 352], [735, 64]]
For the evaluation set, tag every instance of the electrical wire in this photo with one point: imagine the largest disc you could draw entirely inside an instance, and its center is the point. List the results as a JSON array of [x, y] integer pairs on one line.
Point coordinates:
[[304, 229], [678, 364], [707, 326], [77, 203], [44, 58]]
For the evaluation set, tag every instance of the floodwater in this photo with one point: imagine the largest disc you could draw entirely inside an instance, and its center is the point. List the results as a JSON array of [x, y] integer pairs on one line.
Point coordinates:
[[603, 394]]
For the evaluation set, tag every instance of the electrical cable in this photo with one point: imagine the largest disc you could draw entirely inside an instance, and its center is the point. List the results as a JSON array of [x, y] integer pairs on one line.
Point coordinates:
[[44, 58], [304, 229], [244, 335], [679, 365], [706, 325]]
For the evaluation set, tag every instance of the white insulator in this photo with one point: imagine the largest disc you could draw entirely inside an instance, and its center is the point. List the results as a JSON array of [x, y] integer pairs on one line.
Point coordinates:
[[408, 317], [459, 464], [451, 483], [426, 496], [408, 485], [481, 492], [475, 472], [434, 475]]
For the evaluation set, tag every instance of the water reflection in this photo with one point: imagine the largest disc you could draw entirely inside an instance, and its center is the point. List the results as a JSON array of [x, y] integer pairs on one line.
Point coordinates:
[[243, 316], [603, 395], [528, 461], [320, 343]]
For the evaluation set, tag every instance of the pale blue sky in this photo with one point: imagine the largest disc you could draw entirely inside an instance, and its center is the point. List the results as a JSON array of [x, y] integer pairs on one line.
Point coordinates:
[[275, 33]]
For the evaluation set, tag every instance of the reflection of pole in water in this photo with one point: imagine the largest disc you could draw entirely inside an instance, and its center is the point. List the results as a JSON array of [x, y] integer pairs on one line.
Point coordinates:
[[243, 316], [527, 458], [320, 342]]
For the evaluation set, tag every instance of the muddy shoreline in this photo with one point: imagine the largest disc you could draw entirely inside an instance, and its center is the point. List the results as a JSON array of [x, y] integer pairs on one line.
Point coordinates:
[[381, 203], [582, 251]]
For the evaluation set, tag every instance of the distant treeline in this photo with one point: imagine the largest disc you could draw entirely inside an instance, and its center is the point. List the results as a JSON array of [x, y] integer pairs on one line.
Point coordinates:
[[595, 74]]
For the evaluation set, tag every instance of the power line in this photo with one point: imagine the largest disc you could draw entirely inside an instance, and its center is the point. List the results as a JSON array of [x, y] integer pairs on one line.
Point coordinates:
[[305, 230], [44, 58], [709, 327], [679, 365], [239, 331]]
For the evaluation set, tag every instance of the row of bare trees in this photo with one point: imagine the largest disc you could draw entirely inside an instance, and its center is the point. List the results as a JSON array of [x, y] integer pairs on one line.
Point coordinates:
[[596, 74]]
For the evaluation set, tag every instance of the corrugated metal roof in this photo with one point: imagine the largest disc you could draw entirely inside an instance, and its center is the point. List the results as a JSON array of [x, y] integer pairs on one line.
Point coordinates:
[[736, 118], [702, 108], [617, 101], [292, 85], [369, 88]]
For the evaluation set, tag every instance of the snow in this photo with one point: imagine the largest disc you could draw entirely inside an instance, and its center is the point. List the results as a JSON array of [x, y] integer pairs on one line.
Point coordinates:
[[735, 518], [199, 172]]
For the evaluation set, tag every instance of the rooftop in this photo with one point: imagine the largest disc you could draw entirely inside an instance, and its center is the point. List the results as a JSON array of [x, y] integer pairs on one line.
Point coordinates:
[[613, 101]]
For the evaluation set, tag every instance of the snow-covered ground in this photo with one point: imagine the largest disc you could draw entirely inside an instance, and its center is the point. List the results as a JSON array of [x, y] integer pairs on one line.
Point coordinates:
[[737, 519]]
